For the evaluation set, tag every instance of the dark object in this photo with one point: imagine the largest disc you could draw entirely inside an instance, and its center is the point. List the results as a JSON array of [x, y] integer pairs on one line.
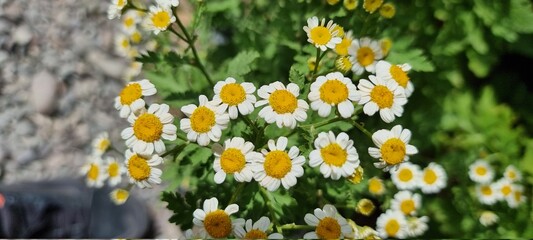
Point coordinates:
[[68, 209]]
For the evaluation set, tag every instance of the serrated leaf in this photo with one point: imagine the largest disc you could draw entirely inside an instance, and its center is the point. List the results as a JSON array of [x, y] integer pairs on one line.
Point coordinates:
[[242, 64], [181, 207], [414, 56], [296, 77]]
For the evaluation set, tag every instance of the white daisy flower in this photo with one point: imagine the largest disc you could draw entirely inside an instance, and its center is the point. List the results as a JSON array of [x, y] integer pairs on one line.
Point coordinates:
[[133, 70], [149, 128], [398, 73], [235, 157], [342, 48], [416, 226], [278, 167], [283, 106], [236, 97], [433, 179], [392, 147], [329, 224], [481, 172], [101, 143], [168, 3], [216, 222], [512, 174], [257, 230], [142, 170], [488, 218], [195, 232], [504, 187], [516, 197], [119, 196], [365, 232], [333, 90], [392, 224], [115, 8], [381, 95], [364, 53], [406, 177], [122, 45], [336, 156], [406, 202], [130, 98], [94, 172], [376, 186], [205, 122], [487, 194], [130, 20], [320, 35], [158, 19], [113, 171]]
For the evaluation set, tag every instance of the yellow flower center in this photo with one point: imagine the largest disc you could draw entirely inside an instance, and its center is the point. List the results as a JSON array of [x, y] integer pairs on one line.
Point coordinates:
[[148, 127], [481, 171], [486, 190], [277, 164], [405, 175], [407, 206], [125, 43], [343, 64], [342, 47], [282, 101], [399, 76], [387, 10], [113, 169], [518, 196], [393, 151], [217, 224], [232, 94], [333, 92], [255, 234], [392, 227], [365, 207], [372, 5], [232, 160], [385, 45], [375, 186], [138, 168], [311, 64], [130, 93], [430, 176], [202, 119], [121, 3], [350, 4], [136, 37], [506, 190], [334, 155], [129, 21], [103, 144], [328, 228], [512, 175], [365, 56], [320, 35], [94, 172], [382, 96], [357, 176], [340, 30], [161, 19], [121, 194]]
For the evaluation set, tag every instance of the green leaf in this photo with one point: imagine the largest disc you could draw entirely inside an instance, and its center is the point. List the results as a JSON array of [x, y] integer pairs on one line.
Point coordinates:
[[242, 64], [296, 76], [526, 163], [181, 207], [414, 56]]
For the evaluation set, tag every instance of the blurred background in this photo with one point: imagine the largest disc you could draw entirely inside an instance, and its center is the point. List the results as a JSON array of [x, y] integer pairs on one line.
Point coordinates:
[[59, 75]]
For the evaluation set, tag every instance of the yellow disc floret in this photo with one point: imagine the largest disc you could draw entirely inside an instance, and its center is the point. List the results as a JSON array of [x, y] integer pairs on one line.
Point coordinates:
[[481, 171], [94, 172], [202, 119], [393, 151], [430, 176], [405, 175], [486, 190], [282, 101], [333, 92], [334, 155], [217, 224], [161, 19], [372, 5], [328, 228], [277, 164], [399, 76], [407, 206], [382, 96], [232, 94], [148, 127], [365, 56], [232, 160], [130, 93], [138, 168], [392, 227], [320, 35], [113, 169], [387, 10], [255, 234]]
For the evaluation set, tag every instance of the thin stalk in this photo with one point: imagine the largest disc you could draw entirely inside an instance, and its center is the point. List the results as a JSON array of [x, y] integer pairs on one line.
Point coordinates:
[[319, 56], [362, 129], [293, 226], [237, 192], [177, 34], [268, 203]]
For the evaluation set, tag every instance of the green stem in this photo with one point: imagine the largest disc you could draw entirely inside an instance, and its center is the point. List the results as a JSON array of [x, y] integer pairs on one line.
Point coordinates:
[[293, 226], [237, 192], [190, 41], [325, 122], [362, 129], [177, 34], [319, 56], [130, 5], [268, 203], [174, 150]]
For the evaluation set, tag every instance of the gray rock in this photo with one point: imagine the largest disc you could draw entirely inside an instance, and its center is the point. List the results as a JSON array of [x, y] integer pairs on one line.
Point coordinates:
[[43, 92], [113, 67], [22, 35], [3, 56], [26, 156], [24, 128]]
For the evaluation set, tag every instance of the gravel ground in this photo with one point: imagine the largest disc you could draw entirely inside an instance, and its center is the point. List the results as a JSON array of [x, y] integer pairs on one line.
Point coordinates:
[[58, 79]]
